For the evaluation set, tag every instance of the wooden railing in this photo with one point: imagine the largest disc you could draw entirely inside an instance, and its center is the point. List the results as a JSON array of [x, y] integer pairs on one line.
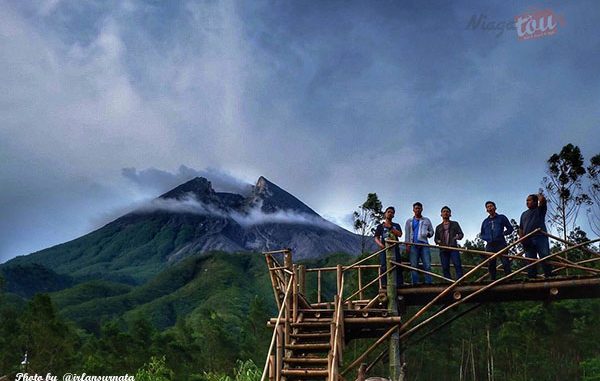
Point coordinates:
[[293, 279], [337, 333]]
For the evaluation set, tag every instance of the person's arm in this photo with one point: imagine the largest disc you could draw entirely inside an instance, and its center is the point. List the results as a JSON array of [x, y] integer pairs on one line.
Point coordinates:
[[407, 230], [507, 225], [438, 235], [430, 231], [520, 231], [397, 230], [378, 233], [482, 232], [541, 199], [459, 234]]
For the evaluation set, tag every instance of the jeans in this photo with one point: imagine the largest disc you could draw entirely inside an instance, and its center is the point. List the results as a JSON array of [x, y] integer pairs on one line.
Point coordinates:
[[494, 247], [446, 256], [424, 255], [538, 245], [383, 268]]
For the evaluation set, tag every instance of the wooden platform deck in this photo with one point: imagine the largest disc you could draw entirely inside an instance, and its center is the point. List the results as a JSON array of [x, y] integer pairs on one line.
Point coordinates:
[[530, 289]]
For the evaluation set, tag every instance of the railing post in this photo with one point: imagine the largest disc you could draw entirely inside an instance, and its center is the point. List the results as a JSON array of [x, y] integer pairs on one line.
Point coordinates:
[[339, 279], [279, 353], [361, 294], [295, 294], [319, 286], [392, 294], [302, 279]]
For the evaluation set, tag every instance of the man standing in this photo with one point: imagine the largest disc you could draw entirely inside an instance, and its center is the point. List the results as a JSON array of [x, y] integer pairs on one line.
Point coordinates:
[[391, 230], [535, 217], [446, 234], [418, 230], [493, 230]]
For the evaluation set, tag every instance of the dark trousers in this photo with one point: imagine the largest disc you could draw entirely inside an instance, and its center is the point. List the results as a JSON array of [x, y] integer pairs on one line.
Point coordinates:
[[383, 268], [494, 247], [447, 256], [538, 245]]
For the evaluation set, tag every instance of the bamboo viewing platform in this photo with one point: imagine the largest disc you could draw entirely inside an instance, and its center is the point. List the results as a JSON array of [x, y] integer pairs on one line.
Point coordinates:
[[312, 328]]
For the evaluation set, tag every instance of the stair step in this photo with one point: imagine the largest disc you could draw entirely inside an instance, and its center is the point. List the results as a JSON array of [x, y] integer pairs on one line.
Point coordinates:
[[306, 360], [311, 335], [308, 347], [304, 372], [322, 323]]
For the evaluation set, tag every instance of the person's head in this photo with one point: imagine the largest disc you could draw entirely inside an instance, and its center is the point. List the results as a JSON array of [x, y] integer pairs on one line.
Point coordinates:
[[490, 207], [389, 213], [417, 209], [446, 213], [532, 201]]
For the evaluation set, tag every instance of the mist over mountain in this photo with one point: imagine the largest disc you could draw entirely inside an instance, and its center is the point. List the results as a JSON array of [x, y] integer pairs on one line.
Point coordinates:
[[192, 219]]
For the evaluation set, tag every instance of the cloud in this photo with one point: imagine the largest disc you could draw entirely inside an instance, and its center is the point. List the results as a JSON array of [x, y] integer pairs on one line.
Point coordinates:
[[331, 102], [246, 218], [160, 181]]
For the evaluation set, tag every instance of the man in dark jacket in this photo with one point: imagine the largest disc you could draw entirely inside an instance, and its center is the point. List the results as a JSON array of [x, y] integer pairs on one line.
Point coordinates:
[[388, 230], [446, 234], [493, 230], [537, 245]]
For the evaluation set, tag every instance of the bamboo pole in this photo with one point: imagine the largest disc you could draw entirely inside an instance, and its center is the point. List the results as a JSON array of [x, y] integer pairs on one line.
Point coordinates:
[[392, 296], [274, 282], [376, 360], [302, 279], [488, 286], [586, 249], [370, 349], [345, 268], [371, 282], [279, 353], [452, 286], [319, 286], [285, 297], [365, 259], [295, 295], [447, 322], [361, 294], [422, 271]]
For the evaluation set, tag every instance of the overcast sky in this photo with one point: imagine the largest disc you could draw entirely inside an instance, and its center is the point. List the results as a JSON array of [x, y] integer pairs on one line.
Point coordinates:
[[104, 104]]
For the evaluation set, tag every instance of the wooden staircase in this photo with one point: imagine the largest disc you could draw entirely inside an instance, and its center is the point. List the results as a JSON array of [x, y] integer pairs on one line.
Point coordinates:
[[307, 355]]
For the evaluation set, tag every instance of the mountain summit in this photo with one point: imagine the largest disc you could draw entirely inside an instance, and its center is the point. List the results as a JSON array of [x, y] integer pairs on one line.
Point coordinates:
[[193, 218]]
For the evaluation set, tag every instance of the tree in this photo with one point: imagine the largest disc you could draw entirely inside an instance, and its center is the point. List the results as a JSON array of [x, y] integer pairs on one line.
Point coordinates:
[[367, 217], [564, 188], [155, 370], [593, 212]]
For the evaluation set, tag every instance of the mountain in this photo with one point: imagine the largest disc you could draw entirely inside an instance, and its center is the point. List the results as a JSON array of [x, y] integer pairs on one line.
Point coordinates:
[[188, 220]]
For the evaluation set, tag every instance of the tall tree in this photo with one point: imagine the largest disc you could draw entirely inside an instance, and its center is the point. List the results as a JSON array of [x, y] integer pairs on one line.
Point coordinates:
[[564, 187], [593, 212], [367, 217]]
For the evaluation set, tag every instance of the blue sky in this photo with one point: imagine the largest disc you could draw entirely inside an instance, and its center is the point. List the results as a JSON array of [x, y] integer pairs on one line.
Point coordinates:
[[104, 102]]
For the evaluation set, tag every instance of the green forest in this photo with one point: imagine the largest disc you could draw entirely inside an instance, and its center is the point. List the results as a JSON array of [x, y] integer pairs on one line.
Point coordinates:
[[228, 336]]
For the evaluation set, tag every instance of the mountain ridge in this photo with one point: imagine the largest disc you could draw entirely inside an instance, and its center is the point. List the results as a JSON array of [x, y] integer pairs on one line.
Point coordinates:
[[192, 219]]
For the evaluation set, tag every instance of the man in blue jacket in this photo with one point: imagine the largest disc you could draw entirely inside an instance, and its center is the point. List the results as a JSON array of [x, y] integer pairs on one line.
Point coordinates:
[[418, 230], [493, 230]]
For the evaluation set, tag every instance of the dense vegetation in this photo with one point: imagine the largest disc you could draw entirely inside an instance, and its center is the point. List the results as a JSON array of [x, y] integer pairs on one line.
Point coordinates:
[[217, 306]]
